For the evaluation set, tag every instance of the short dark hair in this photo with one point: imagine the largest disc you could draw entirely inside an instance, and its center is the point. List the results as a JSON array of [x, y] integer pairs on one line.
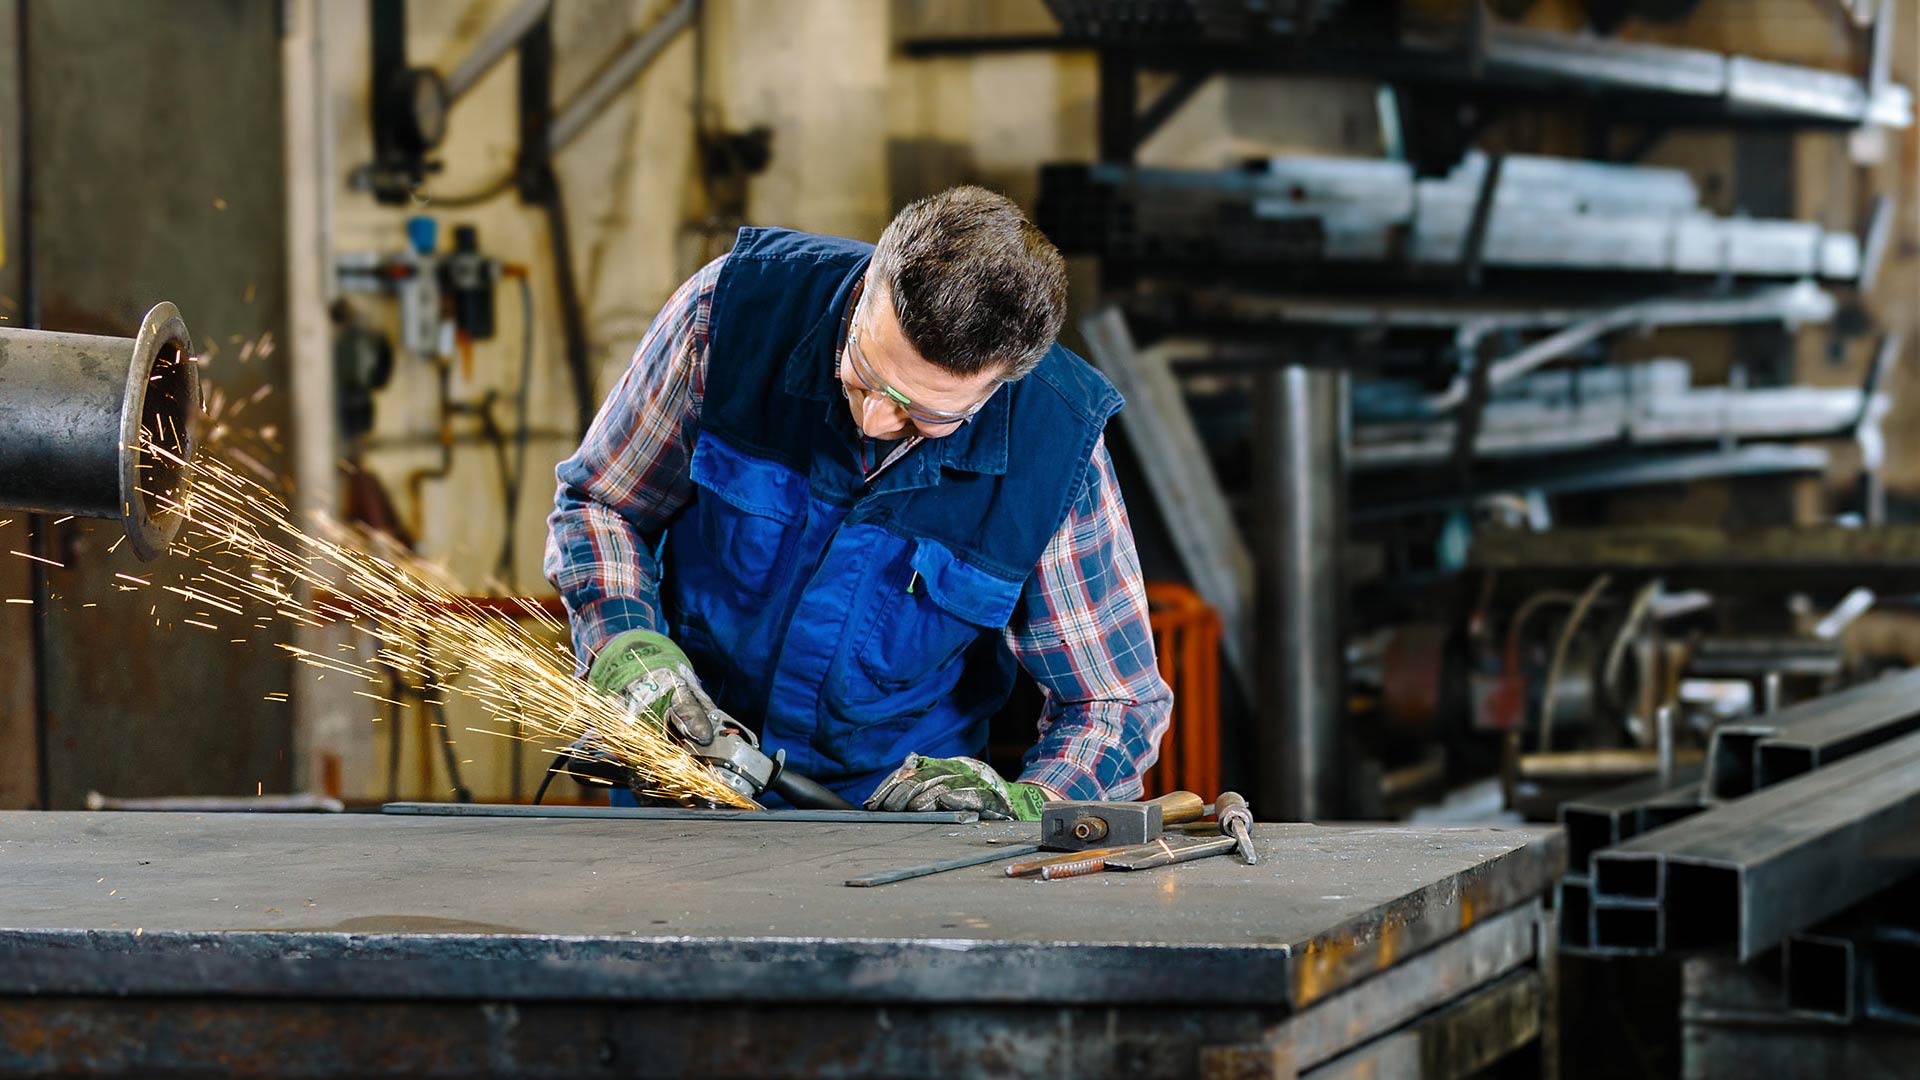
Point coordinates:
[[974, 283]]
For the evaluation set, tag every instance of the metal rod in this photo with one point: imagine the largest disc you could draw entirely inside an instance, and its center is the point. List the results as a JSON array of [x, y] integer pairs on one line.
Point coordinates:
[[906, 873], [493, 48], [1148, 856], [297, 803], [616, 75], [676, 813], [1600, 765]]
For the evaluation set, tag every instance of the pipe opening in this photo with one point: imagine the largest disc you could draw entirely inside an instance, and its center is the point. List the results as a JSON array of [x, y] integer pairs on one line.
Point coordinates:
[[1820, 977], [166, 424]]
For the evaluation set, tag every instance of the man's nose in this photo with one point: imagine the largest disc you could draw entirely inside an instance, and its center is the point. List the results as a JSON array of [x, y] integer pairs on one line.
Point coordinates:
[[879, 414]]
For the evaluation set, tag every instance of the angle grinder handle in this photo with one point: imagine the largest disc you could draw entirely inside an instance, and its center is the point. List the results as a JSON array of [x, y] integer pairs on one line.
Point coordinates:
[[806, 794], [1180, 806]]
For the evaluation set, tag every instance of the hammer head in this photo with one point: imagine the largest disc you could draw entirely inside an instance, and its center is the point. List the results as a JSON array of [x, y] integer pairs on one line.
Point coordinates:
[[1082, 826]]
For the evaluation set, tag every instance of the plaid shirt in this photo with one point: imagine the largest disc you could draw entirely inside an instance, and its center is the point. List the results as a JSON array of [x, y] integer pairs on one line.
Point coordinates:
[[1080, 628]]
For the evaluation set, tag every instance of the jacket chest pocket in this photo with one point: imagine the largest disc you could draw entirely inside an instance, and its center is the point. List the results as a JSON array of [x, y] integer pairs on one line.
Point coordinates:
[[749, 515], [928, 608]]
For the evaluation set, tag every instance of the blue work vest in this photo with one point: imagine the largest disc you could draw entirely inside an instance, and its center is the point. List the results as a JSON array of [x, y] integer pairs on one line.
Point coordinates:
[[853, 624]]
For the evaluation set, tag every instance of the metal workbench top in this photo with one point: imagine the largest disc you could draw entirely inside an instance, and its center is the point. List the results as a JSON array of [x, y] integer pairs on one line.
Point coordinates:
[[322, 906]]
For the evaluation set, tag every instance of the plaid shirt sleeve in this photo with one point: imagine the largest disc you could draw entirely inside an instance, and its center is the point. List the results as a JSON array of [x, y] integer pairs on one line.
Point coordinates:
[[629, 479], [1081, 631]]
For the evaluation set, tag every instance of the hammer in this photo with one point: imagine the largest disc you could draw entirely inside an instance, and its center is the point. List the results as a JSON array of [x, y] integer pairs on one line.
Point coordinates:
[[1082, 826]]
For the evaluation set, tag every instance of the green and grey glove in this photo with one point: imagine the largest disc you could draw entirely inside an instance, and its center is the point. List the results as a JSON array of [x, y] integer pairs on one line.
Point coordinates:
[[658, 684], [961, 783]]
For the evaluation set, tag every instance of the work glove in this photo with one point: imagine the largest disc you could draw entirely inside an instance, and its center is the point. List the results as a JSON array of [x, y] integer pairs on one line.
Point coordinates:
[[960, 783], [657, 682]]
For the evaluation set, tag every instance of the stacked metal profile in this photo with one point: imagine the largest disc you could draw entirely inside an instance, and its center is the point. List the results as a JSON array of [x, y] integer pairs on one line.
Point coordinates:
[[1543, 214], [1799, 816], [1864, 964], [1445, 45]]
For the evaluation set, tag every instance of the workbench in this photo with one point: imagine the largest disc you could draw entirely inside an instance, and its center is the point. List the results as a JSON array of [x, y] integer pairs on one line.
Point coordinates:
[[140, 944]]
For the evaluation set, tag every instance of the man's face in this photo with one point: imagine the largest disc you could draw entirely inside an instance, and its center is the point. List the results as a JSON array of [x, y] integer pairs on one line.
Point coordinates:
[[879, 368]]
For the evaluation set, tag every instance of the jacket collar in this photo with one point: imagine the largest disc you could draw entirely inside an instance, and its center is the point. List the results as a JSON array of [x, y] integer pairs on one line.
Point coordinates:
[[980, 446]]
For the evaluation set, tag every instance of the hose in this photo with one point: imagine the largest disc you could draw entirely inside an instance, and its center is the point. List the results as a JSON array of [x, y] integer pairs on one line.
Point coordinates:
[[1617, 650], [1559, 660]]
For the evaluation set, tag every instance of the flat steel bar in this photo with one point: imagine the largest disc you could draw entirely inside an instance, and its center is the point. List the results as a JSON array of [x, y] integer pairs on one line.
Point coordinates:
[[1462, 1039], [1413, 987], [1826, 729], [1747, 873], [907, 873], [677, 813]]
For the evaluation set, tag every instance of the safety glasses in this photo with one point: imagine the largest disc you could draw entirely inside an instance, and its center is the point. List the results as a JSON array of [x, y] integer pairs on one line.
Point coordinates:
[[870, 381]]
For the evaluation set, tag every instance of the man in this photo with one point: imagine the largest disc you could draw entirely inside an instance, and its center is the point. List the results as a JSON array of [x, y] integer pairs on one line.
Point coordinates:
[[842, 490]]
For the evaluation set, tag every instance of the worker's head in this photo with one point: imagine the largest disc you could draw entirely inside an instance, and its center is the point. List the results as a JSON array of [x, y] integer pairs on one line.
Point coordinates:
[[963, 294]]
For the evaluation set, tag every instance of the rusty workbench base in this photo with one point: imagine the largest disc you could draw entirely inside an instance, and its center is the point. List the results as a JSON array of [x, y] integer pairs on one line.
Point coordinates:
[[371, 946]]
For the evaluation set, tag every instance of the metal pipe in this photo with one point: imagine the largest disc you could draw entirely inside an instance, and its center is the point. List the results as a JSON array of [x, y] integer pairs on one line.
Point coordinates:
[[615, 76], [75, 408], [1596, 765], [499, 41], [1300, 480]]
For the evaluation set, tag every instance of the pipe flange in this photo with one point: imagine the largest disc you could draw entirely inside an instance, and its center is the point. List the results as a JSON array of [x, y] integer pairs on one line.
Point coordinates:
[[163, 397]]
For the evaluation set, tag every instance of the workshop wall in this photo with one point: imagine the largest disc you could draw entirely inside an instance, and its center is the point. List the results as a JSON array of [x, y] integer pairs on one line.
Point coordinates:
[[643, 218]]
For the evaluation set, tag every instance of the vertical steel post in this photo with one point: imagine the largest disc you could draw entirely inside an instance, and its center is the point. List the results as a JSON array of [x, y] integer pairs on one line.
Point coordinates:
[[1300, 493]]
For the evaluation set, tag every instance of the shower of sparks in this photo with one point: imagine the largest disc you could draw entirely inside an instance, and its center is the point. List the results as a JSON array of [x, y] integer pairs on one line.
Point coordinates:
[[249, 555]]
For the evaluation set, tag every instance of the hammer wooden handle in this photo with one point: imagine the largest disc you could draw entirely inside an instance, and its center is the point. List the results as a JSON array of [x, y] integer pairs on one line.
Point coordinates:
[[1179, 806]]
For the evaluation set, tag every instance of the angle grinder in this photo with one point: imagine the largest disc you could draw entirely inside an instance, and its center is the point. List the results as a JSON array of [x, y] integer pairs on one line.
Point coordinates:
[[734, 756]]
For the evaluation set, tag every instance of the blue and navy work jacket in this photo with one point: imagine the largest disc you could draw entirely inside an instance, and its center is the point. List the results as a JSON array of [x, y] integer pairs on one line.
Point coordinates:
[[857, 623]]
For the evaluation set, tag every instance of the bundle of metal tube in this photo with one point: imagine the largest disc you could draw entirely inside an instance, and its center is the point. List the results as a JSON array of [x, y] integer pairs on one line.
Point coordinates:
[[1862, 965], [1747, 873], [1743, 758]]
